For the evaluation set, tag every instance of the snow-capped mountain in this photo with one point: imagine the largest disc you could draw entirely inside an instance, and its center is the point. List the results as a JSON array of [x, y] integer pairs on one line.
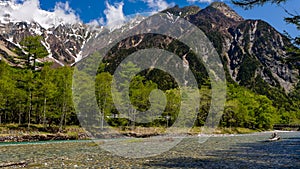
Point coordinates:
[[253, 52], [63, 42], [64, 35]]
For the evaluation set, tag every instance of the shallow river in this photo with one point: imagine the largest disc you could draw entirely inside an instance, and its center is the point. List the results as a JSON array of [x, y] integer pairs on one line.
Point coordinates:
[[230, 151]]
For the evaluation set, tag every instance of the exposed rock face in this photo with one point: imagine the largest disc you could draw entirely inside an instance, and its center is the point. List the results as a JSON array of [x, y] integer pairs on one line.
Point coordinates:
[[251, 50], [185, 11], [64, 42], [227, 11], [257, 42]]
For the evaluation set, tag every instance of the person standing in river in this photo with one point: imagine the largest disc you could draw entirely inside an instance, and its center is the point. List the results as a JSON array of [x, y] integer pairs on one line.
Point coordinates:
[[274, 135]]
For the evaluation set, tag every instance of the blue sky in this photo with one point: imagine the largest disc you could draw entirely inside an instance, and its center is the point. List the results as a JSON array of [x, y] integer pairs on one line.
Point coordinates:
[[106, 11]]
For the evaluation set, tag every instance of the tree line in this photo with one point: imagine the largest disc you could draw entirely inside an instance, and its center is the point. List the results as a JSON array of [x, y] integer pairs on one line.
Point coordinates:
[[39, 94], [243, 108], [36, 94], [45, 97], [36, 97]]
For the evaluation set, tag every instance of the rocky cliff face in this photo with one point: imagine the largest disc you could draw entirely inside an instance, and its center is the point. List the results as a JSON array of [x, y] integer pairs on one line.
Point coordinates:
[[64, 42], [253, 52]]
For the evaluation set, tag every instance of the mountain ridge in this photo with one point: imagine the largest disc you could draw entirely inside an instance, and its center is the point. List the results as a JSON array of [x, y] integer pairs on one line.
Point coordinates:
[[247, 39], [251, 50]]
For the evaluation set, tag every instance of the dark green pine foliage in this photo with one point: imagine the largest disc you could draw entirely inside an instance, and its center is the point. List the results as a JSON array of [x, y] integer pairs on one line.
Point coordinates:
[[35, 50]]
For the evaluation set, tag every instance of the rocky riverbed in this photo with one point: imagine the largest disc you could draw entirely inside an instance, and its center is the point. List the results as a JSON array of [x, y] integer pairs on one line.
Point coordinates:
[[226, 151], [42, 137]]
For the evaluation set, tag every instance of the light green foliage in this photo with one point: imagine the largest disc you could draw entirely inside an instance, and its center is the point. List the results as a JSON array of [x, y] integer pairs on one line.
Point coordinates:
[[64, 97], [173, 106], [6, 89], [23, 94], [103, 94], [139, 92], [33, 97], [47, 89], [247, 109], [205, 101]]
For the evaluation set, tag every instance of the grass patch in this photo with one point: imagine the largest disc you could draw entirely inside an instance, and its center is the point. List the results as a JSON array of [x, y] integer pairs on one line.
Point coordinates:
[[72, 135]]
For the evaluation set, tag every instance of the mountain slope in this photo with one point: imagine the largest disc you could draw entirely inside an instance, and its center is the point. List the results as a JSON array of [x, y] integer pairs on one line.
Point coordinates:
[[250, 49], [253, 52], [64, 42]]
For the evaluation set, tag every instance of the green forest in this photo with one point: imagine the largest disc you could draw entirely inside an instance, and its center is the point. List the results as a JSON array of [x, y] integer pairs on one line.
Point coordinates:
[[36, 97], [45, 97], [40, 94]]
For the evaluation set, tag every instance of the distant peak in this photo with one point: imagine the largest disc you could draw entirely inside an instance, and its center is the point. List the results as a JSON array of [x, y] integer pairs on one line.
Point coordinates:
[[219, 4], [226, 10], [184, 11]]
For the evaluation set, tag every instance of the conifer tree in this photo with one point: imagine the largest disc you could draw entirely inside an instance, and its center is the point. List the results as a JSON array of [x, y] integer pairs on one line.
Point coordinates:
[[35, 50]]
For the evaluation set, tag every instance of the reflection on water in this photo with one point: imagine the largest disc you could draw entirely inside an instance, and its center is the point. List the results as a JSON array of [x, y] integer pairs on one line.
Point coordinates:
[[235, 151]]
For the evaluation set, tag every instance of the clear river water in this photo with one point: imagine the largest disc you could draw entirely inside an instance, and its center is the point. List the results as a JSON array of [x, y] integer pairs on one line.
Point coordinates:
[[219, 151]]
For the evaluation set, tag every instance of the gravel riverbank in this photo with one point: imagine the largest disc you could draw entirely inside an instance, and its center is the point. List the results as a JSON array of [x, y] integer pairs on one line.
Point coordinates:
[[227, 151], [42, 137]]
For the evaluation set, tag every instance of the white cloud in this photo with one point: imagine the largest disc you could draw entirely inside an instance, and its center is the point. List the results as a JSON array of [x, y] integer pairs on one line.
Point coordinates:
[[30, 10], [158, 5], [201, 1], [65, 13], [94, 23], [115, 17], [97, 22]]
